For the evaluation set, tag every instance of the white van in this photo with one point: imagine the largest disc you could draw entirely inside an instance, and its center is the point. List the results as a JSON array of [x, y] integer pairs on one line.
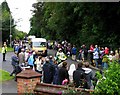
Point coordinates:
[[40, 44]]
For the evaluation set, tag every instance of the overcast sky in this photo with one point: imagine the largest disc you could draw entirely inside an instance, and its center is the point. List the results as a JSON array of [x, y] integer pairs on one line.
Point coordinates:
[[21, 13]]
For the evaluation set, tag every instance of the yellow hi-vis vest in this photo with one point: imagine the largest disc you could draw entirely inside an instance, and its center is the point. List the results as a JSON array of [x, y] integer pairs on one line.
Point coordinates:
[[4, 49]]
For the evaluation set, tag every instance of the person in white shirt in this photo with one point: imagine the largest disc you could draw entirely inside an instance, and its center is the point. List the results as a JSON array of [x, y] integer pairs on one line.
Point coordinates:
[[26, 55], [70, 72], [96, 57], [39, 64]]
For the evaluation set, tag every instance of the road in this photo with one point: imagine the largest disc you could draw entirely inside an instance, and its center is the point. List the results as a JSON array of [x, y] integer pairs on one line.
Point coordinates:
[[8, 86]]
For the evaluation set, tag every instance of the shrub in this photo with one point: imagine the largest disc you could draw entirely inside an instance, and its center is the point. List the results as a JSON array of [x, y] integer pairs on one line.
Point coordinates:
[[110, 83]]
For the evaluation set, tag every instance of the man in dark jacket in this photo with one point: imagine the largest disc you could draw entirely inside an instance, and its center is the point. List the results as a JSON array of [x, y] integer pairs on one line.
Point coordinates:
[[48, 70], [78, 76], [16, 68], [56, 71]]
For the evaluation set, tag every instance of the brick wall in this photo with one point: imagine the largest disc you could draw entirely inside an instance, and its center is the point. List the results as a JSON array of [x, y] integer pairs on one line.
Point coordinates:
[[26, 85], [26, 81]]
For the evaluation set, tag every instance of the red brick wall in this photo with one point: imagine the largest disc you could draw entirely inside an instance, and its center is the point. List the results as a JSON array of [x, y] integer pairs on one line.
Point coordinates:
[[26, 85]]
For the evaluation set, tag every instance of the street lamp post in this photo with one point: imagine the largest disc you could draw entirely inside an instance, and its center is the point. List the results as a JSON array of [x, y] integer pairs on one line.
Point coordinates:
[[10, 30]]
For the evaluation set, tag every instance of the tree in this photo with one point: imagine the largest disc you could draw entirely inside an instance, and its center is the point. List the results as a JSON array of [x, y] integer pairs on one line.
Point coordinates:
[[36, 21], [5, 19], [19, 35], [79, 23]]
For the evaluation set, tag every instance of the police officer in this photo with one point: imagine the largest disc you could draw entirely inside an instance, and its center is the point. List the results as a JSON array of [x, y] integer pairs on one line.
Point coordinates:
[[60, 56], [4, 50]]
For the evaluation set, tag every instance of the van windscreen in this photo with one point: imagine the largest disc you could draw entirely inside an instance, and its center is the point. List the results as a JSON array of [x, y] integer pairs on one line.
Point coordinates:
[[39, 44]]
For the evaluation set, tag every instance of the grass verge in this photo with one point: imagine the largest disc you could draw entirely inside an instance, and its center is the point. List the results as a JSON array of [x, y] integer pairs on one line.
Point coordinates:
[[4, 76]]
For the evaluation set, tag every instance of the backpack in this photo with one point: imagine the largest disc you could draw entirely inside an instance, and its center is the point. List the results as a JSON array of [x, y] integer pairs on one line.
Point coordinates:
[[79, 78]]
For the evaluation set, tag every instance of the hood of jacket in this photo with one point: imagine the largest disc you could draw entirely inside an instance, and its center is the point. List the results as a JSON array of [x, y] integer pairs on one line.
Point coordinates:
[[87, 70]]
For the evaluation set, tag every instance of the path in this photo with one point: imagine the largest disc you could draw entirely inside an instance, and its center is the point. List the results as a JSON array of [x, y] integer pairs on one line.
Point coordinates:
[[8, 87]]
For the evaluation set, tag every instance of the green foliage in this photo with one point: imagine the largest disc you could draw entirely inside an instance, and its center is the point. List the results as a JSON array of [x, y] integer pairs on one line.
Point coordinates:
[[110, 85], [5, 20], [78, 23], [18, 34], [4, 76], [7, 23]]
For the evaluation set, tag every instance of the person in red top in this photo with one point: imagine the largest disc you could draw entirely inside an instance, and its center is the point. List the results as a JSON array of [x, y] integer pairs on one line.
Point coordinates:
[[106, 50], [91, 50]]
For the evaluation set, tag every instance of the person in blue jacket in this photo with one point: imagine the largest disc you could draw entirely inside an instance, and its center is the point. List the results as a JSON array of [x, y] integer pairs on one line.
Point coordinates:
[[31, 61], [74, 52]]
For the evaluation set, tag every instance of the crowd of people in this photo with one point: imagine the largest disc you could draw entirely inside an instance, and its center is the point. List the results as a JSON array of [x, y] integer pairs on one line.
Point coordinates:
[[97, 56], [55, 68]]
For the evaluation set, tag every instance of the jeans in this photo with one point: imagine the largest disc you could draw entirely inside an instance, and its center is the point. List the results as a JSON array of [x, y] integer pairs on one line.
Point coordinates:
[[96, 62], [105, 65]]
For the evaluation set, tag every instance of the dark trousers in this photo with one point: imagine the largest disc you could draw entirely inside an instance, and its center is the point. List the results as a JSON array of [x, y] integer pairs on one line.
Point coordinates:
[[14, 70], [3, 56]]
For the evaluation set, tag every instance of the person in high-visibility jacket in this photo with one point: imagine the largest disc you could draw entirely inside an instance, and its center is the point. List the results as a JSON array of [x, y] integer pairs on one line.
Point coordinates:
[[60, 56], [4, 50]]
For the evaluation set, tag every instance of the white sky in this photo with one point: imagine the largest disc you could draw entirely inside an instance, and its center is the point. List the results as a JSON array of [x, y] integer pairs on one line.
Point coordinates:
[[21, 13]]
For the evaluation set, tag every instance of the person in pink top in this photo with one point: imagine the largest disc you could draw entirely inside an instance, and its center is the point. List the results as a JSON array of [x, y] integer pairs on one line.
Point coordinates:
[[106, 50], [91, 48]]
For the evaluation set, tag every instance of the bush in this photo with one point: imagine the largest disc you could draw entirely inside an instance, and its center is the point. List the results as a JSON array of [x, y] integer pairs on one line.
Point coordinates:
[[110, 83]]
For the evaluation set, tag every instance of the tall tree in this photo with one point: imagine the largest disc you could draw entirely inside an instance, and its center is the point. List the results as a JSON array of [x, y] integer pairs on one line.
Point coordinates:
[[36, 21], [7, 21], [79, 23]]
